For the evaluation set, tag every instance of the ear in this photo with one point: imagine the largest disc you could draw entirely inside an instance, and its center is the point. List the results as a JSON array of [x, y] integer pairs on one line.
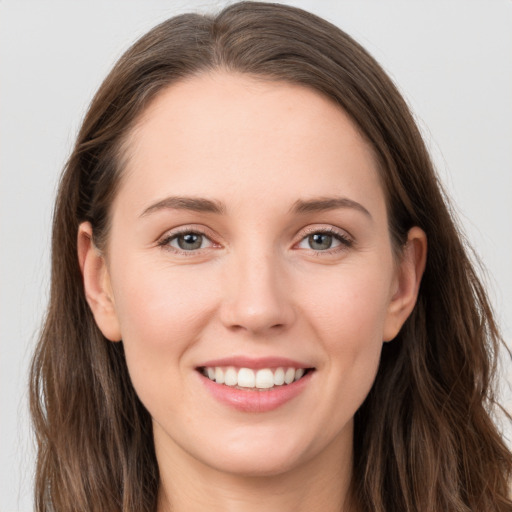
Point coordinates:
[[407, 283], [98, 291]]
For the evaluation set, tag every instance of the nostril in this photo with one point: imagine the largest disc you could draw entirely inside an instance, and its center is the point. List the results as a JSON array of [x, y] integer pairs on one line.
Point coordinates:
[[251, 327]]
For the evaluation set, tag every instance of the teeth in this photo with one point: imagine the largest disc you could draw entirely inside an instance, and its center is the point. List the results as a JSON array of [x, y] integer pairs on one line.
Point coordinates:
[[265, 378], [230, 377], [279, 377], [299, 373], [246, 378], [219, 375], [289, 376]]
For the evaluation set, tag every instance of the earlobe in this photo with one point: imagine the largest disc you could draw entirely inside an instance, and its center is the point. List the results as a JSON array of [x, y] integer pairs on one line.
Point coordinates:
[[409, 274], [96, 279]]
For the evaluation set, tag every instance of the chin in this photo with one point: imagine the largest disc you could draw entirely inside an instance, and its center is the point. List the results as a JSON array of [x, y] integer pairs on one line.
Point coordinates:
[[259, 453], [259, 465]]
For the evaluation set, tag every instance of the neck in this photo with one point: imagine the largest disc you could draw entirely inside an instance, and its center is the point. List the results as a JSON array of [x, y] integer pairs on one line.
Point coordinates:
[[322, 483]]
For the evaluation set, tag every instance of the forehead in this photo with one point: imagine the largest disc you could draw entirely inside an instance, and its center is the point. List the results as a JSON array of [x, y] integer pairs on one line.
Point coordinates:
[[225, 133]]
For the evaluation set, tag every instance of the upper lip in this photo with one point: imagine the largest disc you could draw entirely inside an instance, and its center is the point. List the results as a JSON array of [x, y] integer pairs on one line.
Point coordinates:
[[255, 363]]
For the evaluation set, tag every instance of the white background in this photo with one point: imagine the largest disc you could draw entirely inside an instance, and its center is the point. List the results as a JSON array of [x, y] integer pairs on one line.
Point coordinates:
[[451, 58]]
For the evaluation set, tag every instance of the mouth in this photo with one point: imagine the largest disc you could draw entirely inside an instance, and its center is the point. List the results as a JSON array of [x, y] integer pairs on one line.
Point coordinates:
[[255, 385], [248, 379]]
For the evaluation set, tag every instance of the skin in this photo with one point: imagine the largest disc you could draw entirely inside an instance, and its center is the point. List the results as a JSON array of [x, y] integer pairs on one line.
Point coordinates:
[[256, 287]]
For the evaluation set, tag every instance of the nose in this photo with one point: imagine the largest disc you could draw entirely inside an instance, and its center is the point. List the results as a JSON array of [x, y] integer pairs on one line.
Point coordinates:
[[257, 298]]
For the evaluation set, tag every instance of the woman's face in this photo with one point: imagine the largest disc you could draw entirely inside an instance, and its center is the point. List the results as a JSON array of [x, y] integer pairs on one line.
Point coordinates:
[[249, 244]]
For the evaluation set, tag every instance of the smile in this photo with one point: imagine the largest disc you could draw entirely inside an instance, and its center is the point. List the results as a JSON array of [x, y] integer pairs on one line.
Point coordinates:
[[255, 385], [249, 379]]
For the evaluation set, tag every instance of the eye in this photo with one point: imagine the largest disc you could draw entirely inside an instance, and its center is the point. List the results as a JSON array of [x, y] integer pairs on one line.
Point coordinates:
[[187, 241], [323, 240]]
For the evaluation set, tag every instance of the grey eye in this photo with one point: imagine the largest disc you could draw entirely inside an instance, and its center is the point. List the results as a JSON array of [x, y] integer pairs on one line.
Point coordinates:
[[320, 241], [188, 241]]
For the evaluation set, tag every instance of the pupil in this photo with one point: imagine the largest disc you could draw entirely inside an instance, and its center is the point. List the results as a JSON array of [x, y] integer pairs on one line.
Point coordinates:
[[190, 241], [320, 241]]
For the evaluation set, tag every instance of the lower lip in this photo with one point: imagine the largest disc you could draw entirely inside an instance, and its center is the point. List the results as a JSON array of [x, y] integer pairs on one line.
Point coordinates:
[[256, 400]]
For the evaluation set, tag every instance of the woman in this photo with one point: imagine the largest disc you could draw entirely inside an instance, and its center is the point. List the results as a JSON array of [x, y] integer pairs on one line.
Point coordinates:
[[243, 312]]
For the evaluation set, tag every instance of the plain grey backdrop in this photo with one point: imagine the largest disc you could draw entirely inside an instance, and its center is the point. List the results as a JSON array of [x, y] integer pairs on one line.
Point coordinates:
[[452, 59]]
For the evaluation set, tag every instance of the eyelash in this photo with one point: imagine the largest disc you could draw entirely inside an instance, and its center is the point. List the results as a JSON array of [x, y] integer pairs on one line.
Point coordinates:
[[345, 241], [166, 241]]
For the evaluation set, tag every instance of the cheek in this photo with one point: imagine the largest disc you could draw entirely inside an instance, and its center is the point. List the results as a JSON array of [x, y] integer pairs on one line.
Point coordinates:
[[161, 299], [162, 313], [347, 311], [349, 304]]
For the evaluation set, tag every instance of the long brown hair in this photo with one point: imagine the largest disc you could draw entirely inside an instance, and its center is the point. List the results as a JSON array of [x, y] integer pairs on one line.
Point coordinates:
[[424, 437]]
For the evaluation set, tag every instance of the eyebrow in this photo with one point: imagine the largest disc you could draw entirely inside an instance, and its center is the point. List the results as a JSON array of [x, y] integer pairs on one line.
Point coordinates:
[[301, 206], [321, 204], [196, 204]]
